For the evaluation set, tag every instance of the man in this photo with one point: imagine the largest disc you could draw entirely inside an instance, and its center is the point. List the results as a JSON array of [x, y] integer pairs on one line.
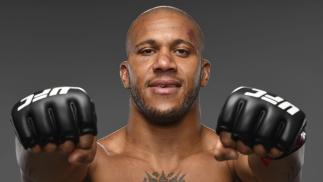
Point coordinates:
[[164, 139]]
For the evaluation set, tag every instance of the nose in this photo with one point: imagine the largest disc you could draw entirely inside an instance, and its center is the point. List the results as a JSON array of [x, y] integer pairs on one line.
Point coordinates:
[[164, 62]]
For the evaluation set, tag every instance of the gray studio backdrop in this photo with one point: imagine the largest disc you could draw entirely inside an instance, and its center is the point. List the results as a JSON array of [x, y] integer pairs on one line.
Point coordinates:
[[269, 45]]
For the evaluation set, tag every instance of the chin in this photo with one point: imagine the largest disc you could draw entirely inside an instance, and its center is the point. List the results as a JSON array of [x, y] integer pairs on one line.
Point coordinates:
[[165, 107], [164, 117]]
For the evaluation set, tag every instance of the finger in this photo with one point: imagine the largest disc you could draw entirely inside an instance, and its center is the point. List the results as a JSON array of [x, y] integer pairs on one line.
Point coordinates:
[[244, 124], [49, 148], [227, 140], [85, 113], [83, 156], [260, 150], [242, 148], [67, 147], [64, 118], [86, 141], [275, 152], [222, 153], [36, 149], [43, 127]]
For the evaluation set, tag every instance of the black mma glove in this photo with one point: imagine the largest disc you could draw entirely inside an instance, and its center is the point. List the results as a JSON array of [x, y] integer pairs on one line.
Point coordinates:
[[255, 116], [54, 115]]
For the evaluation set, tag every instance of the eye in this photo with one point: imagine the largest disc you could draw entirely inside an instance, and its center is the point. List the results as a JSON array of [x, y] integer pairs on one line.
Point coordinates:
[[147, 51], [182, 52]]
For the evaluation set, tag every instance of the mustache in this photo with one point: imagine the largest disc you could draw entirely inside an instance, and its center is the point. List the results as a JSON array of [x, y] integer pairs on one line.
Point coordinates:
[[164, 79]]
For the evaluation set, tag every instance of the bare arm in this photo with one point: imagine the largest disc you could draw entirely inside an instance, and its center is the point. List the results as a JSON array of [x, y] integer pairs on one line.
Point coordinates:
[[252, 168], [49, 166], [257, 123], [57, 131]]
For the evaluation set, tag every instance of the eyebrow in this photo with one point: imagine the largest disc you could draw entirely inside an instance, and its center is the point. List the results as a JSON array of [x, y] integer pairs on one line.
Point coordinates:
[[174, 43], [149, 41], [181, 41]]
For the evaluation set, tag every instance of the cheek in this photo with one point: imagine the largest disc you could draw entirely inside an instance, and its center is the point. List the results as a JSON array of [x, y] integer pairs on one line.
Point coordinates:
[[138, 75], [193, 74]]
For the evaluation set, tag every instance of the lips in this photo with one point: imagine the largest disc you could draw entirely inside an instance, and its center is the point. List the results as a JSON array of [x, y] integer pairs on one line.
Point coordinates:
[[165, 83], [165, 87]]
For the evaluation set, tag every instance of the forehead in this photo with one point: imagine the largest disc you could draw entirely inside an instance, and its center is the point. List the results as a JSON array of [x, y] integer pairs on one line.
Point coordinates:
[[164, 26]]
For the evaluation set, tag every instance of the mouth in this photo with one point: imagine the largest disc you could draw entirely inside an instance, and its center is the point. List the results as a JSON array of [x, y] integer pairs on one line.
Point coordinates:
[[165, 87]]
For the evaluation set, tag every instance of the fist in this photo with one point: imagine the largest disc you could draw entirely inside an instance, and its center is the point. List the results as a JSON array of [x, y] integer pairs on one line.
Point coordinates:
[[58, 119], [255, 121]]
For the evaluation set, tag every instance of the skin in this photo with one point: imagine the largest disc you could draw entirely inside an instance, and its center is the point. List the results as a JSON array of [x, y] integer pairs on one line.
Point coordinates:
[[163, 44]]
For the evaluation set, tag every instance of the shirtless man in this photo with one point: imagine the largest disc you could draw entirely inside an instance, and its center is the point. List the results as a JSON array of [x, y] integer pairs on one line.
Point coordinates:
[[163, 140]]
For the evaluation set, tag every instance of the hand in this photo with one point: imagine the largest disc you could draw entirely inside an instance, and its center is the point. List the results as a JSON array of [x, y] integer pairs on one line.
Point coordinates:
[[254, 121], [61, 119]]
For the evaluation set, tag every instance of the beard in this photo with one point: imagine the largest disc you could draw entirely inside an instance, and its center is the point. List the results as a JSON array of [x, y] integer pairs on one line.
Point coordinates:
[[169, 117]]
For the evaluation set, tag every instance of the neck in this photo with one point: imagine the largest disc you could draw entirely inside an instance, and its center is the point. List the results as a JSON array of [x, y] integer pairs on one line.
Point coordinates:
[[178, 140]]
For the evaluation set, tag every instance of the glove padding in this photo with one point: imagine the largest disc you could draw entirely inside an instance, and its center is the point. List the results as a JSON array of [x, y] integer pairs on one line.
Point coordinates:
[[257, 117], [54, 115]]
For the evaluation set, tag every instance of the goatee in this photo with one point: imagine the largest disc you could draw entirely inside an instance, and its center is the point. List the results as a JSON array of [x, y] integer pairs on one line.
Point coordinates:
[[169, 117]]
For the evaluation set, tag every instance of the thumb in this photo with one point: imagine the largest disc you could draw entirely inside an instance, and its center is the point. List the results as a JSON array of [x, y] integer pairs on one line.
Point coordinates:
[[85, 151], [81, 157], [222, 153]]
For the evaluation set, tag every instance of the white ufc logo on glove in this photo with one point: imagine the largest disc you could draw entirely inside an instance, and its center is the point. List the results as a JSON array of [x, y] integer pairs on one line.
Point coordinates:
[[44, 94], [271, 99]]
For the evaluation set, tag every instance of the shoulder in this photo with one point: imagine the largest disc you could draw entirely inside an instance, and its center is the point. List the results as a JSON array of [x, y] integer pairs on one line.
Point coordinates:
[[112, 144], [109, 146], [210, 140]]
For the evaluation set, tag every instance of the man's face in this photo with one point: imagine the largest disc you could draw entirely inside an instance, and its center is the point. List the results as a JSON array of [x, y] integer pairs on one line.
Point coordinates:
[[164, 67]]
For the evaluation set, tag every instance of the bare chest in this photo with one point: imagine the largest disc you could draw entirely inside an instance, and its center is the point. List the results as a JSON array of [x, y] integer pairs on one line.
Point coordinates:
[[138, 171]]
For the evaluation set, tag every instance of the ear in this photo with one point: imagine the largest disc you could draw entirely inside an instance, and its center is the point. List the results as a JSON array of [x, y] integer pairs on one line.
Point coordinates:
[[205, 72], [124, 74]]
